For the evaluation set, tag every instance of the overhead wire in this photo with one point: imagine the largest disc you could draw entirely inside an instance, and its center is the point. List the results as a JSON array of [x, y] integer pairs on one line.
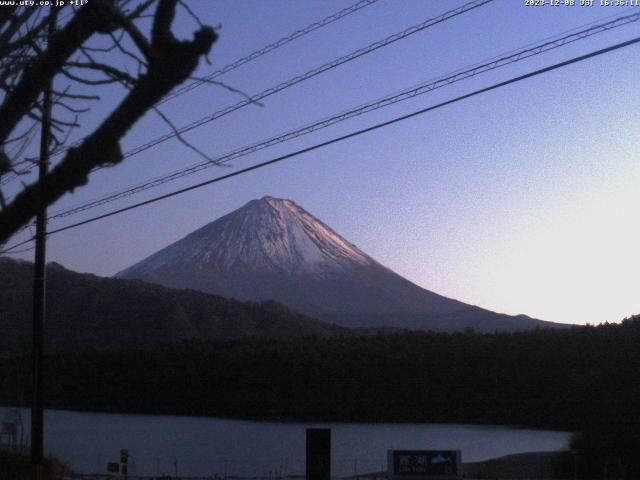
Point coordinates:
[[334, 140], [303, 77], [17, 252], [458, 75], [268, 48], [309, 74], [252, 56], [17, 173]]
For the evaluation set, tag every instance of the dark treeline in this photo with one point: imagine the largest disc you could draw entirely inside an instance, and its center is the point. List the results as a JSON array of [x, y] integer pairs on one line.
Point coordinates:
[[565, 379], [128, 314]]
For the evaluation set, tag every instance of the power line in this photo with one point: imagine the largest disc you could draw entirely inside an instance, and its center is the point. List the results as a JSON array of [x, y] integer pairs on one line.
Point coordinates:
[[17, 173], [17, 252], [252, 56], [406, 94], [310, 74], [306, 76], [269, 48], [356, 133]]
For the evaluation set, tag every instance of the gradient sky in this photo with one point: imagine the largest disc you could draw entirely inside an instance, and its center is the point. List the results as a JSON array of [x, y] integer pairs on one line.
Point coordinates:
[[522, 200]]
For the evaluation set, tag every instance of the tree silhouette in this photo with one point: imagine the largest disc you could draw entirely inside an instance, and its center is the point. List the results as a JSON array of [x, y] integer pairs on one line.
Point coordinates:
[[95, 47]]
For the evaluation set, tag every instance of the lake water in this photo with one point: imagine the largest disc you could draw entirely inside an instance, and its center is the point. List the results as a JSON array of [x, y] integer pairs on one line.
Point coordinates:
[[207, 446]]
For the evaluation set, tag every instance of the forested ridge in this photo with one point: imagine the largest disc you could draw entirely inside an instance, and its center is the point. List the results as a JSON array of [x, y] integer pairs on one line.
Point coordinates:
[[85, 311], [561, 379]]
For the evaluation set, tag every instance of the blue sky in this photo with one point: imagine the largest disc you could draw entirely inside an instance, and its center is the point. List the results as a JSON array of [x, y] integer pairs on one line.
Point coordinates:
[[522, 200]]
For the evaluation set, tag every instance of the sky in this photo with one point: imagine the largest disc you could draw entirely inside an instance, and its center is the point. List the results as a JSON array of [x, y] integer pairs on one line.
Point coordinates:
[[519, 200]]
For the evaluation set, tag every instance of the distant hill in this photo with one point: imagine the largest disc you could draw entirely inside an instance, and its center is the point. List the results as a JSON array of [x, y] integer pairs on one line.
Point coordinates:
[[85, 311], [274, 249]]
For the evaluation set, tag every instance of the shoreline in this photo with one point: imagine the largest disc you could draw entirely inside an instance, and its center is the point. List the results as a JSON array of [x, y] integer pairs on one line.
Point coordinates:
[[291, 420]]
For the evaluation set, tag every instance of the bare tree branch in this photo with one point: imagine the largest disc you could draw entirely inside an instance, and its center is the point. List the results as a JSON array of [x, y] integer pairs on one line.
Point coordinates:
[[180, 137], [136, 35], [170, 62], [108, 69], [92, 18], [228, 87]]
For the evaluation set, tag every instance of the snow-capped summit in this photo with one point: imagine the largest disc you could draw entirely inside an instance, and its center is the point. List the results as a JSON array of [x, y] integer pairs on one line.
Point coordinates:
[[277, 234], [274, 249], [269, 234]]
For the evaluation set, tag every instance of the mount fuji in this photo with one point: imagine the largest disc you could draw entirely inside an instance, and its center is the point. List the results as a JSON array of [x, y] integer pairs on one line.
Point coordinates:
[[274, 249]]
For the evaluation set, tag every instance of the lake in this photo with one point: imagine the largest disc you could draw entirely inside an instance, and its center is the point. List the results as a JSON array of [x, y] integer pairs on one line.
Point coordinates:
[[207, 446]]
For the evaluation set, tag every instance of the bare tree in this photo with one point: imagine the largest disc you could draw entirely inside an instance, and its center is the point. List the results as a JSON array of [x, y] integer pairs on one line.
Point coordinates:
[[97, 46]]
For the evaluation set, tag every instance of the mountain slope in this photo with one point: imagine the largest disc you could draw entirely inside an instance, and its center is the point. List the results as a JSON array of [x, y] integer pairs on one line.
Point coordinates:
[[85, 311], [273, 249]]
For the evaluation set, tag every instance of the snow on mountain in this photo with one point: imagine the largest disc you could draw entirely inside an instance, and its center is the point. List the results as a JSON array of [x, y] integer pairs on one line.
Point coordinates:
[[266, 234], [274, 249]]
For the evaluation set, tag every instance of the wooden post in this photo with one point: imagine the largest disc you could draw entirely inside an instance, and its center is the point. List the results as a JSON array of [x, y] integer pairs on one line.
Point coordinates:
[[318, 454], [39, 284]]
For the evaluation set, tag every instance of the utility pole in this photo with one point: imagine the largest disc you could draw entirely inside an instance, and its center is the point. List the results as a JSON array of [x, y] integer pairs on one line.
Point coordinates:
[[39, 281]]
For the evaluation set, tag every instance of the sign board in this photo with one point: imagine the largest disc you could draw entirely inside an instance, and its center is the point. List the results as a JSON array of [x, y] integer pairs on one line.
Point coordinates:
[[113, 467], [424, 464]]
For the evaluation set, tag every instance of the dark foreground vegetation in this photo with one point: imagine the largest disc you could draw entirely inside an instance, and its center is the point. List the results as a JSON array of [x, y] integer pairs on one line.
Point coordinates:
[[17, 466], [581, 379], [545, 378]]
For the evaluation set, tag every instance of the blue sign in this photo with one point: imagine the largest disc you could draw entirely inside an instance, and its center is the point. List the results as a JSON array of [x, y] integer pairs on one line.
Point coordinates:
[[429, 464]]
